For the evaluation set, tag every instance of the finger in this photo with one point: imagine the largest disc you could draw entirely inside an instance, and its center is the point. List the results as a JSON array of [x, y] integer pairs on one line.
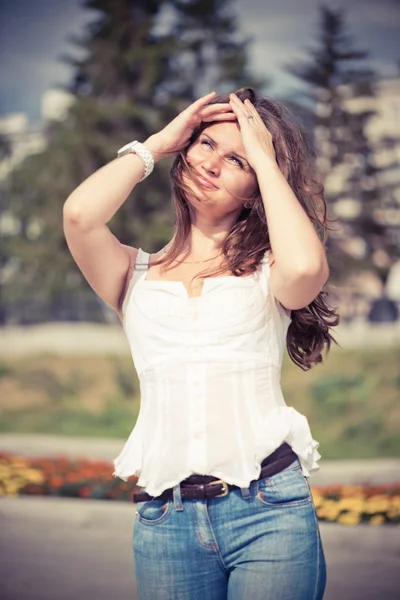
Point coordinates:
[[235, 101], [237, 105], [240, 116], [208, 112], [252, 110], [217, 108], [220, 117], [201, 102]]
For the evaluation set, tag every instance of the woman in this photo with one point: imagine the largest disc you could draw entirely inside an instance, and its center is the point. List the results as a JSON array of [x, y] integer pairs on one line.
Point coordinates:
[[225, 509]]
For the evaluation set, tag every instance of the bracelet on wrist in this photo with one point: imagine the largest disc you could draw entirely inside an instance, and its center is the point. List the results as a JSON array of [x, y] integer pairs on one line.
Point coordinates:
[[144, 154]]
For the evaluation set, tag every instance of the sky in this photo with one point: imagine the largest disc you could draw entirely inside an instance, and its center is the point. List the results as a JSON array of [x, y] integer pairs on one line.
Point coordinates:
[[34, 35]]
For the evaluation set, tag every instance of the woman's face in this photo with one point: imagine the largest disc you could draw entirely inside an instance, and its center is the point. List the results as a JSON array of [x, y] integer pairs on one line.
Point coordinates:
[[227, 180]]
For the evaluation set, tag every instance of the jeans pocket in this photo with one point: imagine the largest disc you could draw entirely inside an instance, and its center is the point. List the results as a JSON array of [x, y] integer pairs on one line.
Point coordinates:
[[153, 512], [289, 488]]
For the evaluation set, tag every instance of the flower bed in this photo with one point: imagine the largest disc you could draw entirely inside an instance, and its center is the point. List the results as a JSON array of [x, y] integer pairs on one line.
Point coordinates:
[[62, 476]]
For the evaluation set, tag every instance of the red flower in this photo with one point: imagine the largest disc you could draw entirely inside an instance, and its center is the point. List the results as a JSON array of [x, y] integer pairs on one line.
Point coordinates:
[[56, 482], [84, 492]]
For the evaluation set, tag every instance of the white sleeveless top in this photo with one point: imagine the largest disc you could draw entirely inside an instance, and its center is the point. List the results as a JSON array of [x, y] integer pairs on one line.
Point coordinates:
[[209, 370]]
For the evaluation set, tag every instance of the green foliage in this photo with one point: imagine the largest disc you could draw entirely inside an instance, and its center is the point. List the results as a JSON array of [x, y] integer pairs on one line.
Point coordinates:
[[57, 389], [330, 396], [127, 384], [353, 405], [351, 401], [5, 370], [116, 420]]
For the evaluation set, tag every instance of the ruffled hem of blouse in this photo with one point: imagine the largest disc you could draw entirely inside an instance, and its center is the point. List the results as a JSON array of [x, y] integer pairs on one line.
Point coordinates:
[[129, 462], [284, 424]]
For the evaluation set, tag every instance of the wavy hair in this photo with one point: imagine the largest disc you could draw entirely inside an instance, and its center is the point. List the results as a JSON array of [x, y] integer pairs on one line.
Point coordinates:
[[248, 240]]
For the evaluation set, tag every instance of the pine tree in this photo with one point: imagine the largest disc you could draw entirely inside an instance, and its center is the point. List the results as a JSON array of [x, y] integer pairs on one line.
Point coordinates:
[[341, 87], [210, 48], [128, 85]]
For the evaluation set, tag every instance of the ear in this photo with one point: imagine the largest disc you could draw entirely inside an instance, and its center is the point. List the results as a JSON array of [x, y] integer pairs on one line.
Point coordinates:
[[271, 258]]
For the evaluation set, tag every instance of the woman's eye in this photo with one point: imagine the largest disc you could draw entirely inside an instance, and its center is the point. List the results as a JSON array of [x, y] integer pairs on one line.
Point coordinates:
[[237, 161], [206, 143]]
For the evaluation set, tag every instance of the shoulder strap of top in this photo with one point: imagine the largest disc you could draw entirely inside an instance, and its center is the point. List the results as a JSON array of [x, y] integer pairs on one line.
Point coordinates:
[[142, 260], [141, 265]]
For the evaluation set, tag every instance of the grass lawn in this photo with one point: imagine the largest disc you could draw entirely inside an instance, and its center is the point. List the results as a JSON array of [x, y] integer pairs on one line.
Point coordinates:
[[351, 401]]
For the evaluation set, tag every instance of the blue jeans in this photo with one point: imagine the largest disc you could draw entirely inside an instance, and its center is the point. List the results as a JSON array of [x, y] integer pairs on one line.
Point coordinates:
[[260, 543]]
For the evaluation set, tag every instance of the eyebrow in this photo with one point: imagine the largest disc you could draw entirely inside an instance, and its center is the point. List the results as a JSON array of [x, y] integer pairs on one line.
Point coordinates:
[[233, 153]]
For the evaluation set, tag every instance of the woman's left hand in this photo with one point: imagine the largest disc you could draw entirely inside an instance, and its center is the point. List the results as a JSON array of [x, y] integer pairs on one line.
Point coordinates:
[[257, 140]]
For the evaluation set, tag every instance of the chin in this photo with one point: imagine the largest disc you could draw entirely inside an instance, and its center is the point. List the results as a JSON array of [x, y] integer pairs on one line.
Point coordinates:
[[198, 194]]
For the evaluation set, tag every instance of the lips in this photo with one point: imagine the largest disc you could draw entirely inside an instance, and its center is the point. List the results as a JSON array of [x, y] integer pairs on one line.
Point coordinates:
[[207, 183]]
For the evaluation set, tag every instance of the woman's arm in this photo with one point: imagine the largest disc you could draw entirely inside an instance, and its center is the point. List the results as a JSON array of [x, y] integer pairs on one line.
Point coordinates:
[[95, 201], [103, 260], [299, 268]]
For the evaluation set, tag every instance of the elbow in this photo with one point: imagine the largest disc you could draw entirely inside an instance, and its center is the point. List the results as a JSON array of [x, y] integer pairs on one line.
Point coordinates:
[[71, 211], [301, 287], [73, 216], [325, 272], [317, 270]]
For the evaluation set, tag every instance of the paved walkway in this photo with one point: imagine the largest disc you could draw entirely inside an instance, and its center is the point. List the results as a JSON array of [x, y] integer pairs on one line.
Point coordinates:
[[66, 549], [375, 471]]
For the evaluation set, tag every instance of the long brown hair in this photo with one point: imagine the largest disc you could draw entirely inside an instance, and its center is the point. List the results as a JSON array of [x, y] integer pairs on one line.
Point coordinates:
[[246, 243]]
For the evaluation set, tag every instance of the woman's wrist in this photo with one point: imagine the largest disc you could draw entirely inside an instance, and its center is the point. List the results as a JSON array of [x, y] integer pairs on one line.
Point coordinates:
[[263, 162], [153, 144]]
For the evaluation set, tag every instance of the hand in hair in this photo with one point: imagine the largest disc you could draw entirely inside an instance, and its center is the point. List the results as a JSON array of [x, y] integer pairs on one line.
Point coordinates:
[[257, 140], [176, 135]]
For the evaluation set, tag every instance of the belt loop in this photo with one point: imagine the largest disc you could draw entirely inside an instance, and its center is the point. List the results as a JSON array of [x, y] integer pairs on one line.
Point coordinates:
[[177, 496], [245, 493]]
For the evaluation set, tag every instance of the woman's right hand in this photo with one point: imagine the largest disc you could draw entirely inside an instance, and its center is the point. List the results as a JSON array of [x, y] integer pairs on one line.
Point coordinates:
[[176, 135]]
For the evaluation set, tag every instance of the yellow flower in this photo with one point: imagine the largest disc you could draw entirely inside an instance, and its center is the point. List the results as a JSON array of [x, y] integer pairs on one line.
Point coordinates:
[[18, 463], [4, 472], [318, 500], [34, 476], [11, 489], [377, 520], [329, 510], [355, 504], [377, 504], [393, 512], [349, 518]]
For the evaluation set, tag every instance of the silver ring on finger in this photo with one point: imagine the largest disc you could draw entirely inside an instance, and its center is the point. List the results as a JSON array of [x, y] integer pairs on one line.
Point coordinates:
[[249, 116]]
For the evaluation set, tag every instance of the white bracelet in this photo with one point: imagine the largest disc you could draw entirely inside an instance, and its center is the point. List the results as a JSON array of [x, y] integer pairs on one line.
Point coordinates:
[[143, 152]]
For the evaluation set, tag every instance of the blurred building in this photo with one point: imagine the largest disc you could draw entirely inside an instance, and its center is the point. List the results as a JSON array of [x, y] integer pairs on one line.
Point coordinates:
[[24, 138], [21, 138], [383, 134]]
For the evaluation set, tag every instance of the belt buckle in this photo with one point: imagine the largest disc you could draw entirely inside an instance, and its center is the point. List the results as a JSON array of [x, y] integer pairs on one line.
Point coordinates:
[[225, 488]]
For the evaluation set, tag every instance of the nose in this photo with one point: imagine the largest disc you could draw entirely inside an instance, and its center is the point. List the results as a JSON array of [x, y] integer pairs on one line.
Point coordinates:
[[211, 164]]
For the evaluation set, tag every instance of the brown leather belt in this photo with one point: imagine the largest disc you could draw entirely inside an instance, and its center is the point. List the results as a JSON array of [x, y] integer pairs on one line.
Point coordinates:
[[205, 486]]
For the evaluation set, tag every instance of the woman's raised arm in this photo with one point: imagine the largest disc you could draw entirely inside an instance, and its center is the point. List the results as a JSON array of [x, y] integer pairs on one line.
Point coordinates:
[[102, 259]]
